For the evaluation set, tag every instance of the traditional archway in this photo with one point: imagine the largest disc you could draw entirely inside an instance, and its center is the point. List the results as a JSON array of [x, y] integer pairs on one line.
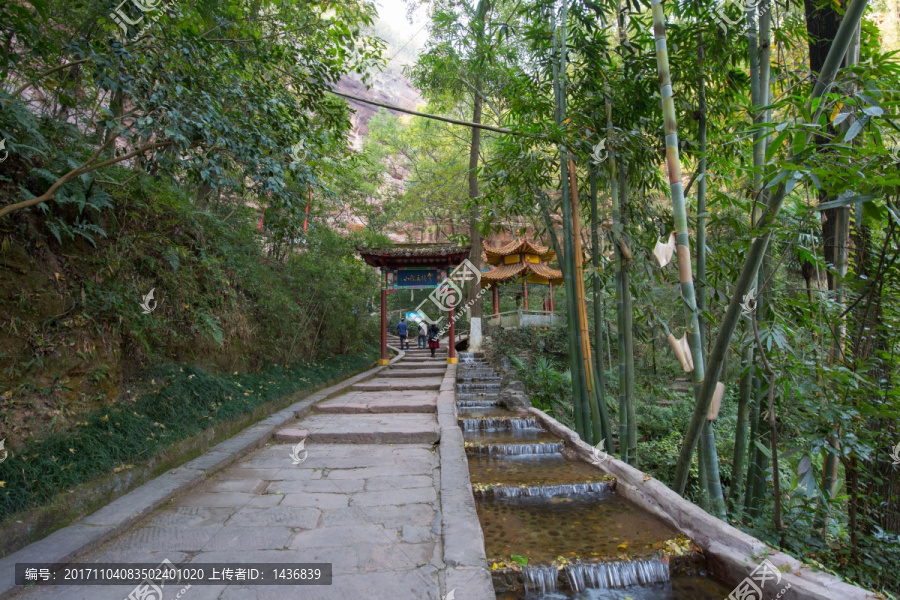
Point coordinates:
[[414, 266]]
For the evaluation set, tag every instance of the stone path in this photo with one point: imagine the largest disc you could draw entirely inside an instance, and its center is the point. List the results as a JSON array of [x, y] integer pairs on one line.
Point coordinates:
[[368, 498]]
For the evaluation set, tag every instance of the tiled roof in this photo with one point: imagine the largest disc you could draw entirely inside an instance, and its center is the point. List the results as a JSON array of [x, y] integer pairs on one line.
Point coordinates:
[[425, 255], [534, 273], [495, 255]]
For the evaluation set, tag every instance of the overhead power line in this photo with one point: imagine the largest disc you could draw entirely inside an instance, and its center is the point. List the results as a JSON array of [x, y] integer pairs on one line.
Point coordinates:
[[426, 115]]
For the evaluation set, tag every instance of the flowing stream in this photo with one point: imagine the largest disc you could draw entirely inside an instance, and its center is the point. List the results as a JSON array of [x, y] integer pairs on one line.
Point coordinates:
[[559, 515]]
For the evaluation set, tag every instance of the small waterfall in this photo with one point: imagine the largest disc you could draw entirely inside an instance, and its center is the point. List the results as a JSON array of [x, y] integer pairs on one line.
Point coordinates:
[[477, 403], [478, 378], [477, 387], [499, 424], [479, 395], [616, 574], [515, 449], [540, 578], [550, 491]]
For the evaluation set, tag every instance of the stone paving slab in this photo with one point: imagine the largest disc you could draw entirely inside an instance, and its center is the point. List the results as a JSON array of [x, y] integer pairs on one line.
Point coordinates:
[[386, 384], [406, 428], [381, 402]]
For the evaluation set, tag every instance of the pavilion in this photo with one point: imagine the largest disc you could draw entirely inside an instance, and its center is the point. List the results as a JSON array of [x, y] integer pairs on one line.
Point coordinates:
[[524, 261], [416, 266]]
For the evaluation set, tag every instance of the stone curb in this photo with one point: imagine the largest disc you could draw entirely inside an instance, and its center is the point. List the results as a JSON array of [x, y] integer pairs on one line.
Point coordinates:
[[464, 554], [66, 544], [731, 554]]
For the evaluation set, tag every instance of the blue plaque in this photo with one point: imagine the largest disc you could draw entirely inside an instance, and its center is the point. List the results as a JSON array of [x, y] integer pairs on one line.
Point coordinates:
[[416, 278]]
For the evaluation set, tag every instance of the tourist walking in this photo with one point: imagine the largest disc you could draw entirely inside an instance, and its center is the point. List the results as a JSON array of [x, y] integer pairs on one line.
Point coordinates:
[[402, 331], [433, 341], [423, 335]]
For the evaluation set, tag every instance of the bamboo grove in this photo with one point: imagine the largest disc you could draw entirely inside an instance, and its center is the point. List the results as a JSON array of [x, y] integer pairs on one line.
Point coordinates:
[[720, 181]]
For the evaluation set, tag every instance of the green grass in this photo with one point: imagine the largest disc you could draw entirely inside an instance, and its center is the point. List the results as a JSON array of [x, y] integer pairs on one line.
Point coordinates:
[[181, 402]]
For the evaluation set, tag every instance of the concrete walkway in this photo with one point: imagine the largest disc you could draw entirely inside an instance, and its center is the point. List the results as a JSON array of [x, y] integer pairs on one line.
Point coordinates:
[[375, 496]]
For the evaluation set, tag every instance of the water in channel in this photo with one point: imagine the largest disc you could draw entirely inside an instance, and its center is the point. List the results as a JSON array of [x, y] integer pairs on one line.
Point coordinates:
[[540, 505]]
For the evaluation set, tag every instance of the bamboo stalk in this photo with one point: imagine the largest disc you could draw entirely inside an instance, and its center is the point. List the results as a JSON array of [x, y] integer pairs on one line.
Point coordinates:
[[628, 321], [589, 408], [620, 310], [758, 247], [600, 377], [682, 239], [740, 434], [567, 260]]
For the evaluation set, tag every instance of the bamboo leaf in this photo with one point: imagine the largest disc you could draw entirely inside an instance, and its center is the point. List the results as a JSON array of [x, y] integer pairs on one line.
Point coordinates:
[[854, 129], [762, 448]]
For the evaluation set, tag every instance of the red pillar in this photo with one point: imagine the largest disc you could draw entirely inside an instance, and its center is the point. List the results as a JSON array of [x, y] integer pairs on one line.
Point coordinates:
[[525, 292], [451, 351], [551, 296], [496, 293], [384, 359]]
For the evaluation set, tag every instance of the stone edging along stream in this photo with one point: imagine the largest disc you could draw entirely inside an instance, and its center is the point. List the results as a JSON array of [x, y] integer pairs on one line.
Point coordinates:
[[66, 544], [460, 528], [730, 553]]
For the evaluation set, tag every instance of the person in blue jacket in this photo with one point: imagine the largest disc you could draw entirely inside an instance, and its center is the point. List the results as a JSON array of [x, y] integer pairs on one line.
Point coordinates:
[[402, 331]]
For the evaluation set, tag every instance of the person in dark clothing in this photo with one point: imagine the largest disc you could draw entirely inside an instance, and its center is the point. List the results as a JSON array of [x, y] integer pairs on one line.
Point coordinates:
[[433, 341], [402, 331]]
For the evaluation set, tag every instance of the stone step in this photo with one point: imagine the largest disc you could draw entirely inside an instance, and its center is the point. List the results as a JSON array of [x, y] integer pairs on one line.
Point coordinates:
[[381, 402], [416, 372], [291, 435], [372, 429], [422, 366], [423, 358], [387, 384]]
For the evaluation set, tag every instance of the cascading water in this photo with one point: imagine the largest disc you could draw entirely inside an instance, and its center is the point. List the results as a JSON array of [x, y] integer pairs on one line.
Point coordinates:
[[478, 387], [618, 574], [549, 491], [514, 449], [499, 424], [477, 403], [540, 578], [481, 395]]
